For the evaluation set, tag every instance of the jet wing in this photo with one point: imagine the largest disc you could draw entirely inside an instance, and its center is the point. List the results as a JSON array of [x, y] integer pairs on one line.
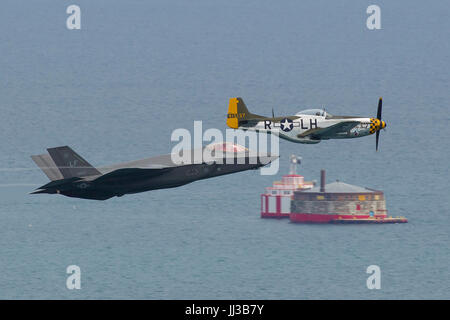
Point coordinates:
[[323, 133], [132, 172]]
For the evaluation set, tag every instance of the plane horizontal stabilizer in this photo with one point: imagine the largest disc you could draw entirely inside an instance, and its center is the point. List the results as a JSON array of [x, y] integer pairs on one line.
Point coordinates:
[[46, 163]]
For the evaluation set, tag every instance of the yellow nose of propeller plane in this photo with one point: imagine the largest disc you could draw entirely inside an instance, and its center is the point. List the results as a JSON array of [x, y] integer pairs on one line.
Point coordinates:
[[376, 124]]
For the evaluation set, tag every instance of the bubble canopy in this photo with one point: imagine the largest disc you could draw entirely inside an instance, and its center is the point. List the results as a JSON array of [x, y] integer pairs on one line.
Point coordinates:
[[313, 112]]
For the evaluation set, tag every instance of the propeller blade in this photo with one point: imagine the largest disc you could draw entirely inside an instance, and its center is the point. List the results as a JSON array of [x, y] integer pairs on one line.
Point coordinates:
[[377, 137], [380, 107], [273, 114]]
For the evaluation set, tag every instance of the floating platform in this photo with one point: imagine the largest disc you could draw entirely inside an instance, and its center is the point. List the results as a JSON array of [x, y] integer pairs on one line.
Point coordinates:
[[371, 220], [336, 202], [340, 202]]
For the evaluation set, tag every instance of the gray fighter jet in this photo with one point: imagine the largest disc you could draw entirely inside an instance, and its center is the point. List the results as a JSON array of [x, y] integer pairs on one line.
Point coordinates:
[[73, 176]]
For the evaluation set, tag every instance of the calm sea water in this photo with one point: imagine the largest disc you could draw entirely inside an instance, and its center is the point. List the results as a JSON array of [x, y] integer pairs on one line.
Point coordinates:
[[116, 89]]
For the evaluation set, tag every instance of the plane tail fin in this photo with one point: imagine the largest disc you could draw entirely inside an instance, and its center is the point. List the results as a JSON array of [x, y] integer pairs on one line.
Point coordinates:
[[70, 164], [238, 112]]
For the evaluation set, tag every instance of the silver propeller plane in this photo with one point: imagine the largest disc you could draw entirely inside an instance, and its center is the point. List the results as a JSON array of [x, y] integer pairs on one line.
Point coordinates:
[[308, 126]]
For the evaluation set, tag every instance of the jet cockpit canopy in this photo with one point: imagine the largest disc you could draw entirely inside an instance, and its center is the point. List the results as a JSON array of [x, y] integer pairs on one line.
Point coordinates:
[[226, 147]]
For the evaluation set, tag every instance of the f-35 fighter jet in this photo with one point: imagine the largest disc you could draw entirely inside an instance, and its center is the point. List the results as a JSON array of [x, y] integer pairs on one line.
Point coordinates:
[[73, 176]]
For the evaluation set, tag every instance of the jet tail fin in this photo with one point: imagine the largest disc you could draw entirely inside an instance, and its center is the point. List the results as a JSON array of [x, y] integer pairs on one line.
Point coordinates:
[[238, 112], [70, 164]]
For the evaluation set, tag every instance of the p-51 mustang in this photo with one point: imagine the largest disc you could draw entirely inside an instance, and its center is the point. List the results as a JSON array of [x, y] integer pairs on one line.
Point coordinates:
[[308, 126]]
